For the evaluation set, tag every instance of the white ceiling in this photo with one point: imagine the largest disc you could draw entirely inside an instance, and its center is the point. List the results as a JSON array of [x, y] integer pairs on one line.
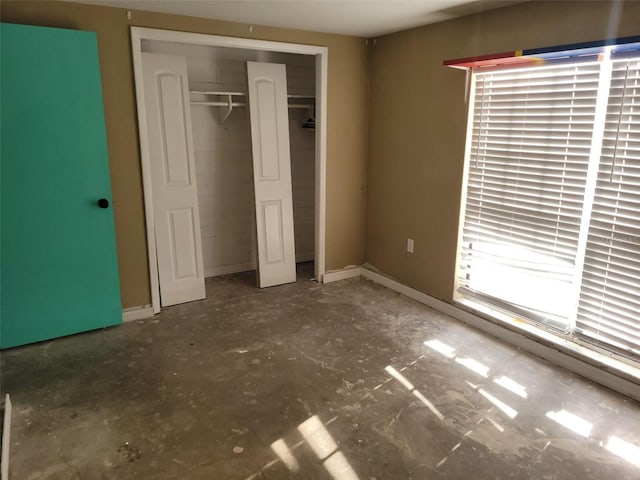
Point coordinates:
[[364, 18]]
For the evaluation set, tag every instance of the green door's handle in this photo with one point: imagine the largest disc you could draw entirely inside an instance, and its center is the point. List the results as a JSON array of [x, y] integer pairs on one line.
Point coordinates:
[[103, 203]]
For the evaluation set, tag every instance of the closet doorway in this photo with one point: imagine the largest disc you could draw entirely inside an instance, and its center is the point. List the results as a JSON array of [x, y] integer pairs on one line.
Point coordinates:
[[219, 125]]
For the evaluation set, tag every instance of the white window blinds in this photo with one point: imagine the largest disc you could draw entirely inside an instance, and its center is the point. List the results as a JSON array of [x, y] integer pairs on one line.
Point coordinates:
[[609, 307], [551, 218], [527, 170]]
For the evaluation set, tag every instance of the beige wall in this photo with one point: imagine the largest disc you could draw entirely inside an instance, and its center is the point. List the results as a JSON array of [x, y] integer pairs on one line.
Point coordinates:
[[418, 122], [416, 119], [346, 135]]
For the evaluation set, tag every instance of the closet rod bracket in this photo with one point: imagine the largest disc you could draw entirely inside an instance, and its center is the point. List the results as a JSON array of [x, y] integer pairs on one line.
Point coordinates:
[[226, 111]]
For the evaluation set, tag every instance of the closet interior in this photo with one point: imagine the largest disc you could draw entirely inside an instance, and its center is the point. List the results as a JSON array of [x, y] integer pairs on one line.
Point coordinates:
[[219, 107]]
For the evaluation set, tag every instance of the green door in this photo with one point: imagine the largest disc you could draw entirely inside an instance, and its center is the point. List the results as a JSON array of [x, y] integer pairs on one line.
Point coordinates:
[[58, 260]]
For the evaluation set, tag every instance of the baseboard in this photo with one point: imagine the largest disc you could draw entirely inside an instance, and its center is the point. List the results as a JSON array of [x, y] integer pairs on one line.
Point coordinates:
[[247, 267], [229, 269], [592, 365], [137, 313], [305, 257], [6, 438], [335, 275]]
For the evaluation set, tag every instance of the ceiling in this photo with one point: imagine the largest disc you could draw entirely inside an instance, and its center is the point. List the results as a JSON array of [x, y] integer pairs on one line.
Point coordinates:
[[363, 18]]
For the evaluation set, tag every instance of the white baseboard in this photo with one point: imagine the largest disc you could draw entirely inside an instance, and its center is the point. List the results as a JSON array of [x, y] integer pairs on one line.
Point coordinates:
[[587, 363], [335, 275], [229, 269], [247, 267], [137, 313], [305, 257], [6, 438]]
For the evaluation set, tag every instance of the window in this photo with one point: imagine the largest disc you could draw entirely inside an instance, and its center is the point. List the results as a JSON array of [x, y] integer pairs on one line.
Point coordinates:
[[550, 224], [609, 303]]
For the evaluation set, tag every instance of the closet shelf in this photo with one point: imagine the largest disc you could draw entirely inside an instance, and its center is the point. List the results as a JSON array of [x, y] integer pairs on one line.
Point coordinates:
[[218, 104], [229, 102]]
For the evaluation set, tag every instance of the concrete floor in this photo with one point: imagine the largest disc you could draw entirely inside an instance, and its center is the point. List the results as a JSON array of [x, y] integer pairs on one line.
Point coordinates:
[[307, 381]]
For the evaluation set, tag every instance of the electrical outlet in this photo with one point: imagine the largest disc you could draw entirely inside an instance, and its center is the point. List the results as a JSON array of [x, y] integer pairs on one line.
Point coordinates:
[[410, 245]]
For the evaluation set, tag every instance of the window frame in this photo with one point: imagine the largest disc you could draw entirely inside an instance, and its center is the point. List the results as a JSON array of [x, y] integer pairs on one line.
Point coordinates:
[[495, 311]]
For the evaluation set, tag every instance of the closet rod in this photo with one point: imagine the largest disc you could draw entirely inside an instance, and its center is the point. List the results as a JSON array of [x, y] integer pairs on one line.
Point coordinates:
[[237, 104], [219, 104], [229, 104], [199, 92], [240, 94]]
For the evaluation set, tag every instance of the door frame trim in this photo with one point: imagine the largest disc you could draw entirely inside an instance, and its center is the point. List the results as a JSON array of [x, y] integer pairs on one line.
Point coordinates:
[[138, 34]]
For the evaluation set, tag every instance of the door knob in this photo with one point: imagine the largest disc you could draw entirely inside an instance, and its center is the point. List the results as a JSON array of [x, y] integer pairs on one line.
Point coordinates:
[[103, 203]]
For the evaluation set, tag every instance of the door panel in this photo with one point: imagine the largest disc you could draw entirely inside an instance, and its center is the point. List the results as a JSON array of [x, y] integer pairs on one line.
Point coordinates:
[[175, 196], [58, 252], [272, 173], [175, 156], [185, 263], [272, 215]]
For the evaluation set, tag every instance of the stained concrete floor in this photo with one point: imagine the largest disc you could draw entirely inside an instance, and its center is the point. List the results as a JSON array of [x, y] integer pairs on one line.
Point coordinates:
[[305, 381]]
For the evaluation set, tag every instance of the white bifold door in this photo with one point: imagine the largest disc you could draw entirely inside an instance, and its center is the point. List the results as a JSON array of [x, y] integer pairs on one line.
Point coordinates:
[[173, 176], [272, 173], [173, 179]]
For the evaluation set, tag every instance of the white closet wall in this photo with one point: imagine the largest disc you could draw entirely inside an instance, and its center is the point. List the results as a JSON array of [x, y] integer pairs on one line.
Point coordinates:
[[225, 191], [224, 159], [224, 169]]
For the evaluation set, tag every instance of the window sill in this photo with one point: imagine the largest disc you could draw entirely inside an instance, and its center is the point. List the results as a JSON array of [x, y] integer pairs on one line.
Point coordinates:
[[603, 369], [591, 354]]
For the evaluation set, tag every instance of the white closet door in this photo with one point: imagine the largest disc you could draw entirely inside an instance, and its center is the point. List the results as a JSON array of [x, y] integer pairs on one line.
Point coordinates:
[[272, 173], [173, 179]]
